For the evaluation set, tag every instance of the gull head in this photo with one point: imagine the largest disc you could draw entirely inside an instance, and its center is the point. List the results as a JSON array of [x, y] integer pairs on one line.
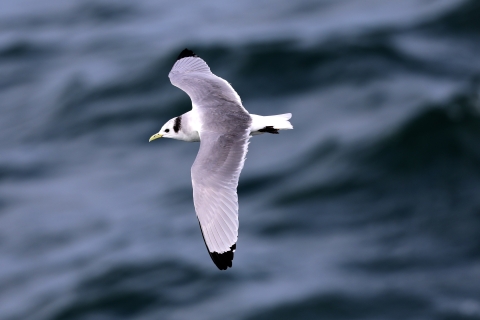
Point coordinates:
[[165, 132], [171, 129], [179, 128]]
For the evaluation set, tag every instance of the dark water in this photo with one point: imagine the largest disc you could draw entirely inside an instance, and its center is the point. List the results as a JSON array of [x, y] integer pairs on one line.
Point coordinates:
[[369, 209]]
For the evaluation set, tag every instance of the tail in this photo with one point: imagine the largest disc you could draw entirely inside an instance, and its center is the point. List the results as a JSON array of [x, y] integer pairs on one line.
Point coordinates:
[[270, 124]]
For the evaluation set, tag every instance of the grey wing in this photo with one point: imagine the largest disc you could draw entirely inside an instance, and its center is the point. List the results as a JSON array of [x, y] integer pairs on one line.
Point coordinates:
[[215, 175], [192, 75]]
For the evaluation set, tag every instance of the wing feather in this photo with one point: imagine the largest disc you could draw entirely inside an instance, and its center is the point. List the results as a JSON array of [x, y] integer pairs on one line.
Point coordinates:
[[192, 75], [215, 175]]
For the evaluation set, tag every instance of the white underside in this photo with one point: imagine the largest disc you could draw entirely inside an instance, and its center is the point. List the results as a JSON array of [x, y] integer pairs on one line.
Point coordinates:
[[279, 122]]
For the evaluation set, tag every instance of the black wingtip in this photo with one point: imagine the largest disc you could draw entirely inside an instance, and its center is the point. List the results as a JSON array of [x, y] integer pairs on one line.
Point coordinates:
[[223, 261], [186, 53]]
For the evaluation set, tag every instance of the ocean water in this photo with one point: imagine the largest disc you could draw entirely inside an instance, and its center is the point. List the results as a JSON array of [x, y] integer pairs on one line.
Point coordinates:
[[368, 209]]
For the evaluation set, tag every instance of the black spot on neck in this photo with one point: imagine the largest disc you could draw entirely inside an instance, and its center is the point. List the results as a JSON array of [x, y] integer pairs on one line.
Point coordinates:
[[178, 124], [186, 53]]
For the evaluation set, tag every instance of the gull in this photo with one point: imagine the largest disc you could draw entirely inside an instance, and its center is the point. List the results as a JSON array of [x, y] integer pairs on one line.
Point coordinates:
[[223, 127]]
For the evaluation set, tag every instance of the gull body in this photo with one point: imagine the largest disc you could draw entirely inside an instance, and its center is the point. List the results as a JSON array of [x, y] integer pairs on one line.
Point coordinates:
[[223, 127], [190, 126]]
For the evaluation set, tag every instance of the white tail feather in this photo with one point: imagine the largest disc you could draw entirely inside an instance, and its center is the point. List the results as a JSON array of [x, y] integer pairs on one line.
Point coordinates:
[[278, 122]]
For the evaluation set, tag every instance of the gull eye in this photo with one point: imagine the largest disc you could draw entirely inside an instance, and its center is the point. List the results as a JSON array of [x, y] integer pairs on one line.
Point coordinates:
[[166, 130]]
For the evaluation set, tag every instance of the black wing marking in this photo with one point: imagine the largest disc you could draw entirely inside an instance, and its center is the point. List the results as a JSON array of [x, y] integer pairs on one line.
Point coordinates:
[[186, 53], [223, 261]]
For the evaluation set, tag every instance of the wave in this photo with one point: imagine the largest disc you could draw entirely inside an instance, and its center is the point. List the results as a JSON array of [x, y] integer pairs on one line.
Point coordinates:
[[132, 289], [435, 138], [415, 177], [343, 306], [82, 109], [443, 134], [461, 20]]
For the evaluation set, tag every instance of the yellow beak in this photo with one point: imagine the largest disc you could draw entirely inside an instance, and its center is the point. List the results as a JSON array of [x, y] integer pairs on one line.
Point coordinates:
[[155, 137]]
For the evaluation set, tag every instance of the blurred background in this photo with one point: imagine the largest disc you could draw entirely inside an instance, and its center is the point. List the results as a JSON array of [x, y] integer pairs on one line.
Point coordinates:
[[369, 209]]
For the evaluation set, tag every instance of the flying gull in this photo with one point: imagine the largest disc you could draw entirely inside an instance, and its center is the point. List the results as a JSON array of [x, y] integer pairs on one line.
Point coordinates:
[[223, 126]]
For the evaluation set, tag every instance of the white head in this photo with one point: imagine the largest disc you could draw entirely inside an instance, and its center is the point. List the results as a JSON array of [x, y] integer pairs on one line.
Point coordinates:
[[181, 128], [171, 129]]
